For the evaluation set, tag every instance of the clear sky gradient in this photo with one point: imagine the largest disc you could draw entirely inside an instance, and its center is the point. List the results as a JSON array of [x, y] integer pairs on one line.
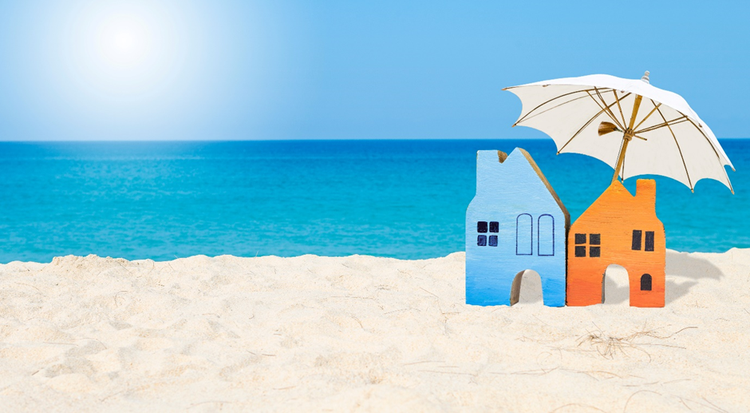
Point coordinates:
[[205, 70]]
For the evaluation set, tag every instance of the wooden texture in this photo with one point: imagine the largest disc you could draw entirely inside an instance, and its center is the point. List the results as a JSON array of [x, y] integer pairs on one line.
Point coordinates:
[[514, 223], [618, 228]]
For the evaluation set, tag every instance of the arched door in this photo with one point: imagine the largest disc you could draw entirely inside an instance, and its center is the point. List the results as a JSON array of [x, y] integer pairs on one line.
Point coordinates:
[[524, 234], [545, 238], [646, 282]]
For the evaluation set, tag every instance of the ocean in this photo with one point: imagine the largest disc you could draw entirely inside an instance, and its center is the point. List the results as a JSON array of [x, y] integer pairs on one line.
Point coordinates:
[[403, 199]]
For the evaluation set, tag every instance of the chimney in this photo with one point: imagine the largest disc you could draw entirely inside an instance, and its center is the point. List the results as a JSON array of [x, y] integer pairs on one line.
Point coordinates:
[[645, 192]]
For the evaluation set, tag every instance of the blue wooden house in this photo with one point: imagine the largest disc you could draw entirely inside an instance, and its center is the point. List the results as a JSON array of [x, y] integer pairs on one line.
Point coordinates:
[[515, 222]]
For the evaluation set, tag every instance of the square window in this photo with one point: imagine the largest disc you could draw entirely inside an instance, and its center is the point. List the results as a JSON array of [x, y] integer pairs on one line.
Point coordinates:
[[594, 251], [482, 226], [493, 240], [481, 240], [494, 226], [595, 239], [580, 251], [581, 239]]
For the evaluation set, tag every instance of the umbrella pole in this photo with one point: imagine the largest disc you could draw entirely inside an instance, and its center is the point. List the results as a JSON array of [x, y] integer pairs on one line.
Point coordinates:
[[627, 136]]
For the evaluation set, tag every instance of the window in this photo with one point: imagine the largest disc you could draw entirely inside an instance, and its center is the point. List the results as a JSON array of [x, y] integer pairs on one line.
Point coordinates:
[[545, 237], [494, 226], [493, 240], [580, 249], [638, 235], [646, 282], [636, 240], [524, 234], [649, 241], [595, 241], [595, 249], [482, 228]]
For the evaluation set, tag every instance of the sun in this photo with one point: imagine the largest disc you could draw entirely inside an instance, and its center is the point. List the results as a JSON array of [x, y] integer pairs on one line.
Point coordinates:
[[125, 42], [116, 51]]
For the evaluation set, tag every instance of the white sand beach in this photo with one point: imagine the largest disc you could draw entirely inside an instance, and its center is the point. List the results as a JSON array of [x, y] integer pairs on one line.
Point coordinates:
[[361, 333]]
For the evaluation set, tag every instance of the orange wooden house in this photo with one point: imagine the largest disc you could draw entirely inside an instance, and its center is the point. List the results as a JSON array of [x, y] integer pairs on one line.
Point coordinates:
[[618, 228]]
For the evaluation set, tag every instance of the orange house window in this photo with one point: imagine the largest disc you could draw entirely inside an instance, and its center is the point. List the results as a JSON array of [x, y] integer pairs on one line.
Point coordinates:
[[593, 244], [638, 235], [649, 241], [646, 282]]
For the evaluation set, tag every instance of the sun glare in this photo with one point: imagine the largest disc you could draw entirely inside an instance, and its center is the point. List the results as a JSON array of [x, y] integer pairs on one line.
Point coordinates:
[[122, 49], [124, 42]]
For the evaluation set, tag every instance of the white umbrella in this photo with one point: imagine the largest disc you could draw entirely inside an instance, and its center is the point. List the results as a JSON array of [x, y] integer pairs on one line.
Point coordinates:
[[661, 134]]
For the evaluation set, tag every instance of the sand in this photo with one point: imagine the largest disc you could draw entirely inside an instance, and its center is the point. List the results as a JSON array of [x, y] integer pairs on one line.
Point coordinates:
[[362, 333]]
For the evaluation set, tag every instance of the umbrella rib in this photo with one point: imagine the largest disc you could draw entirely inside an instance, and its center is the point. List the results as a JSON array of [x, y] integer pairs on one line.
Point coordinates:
[[679, 149], [609, 111], [548, 101], [605, 108], [584, 126], [547, 110], [618, 106], [649, 114], [672, 122], [709, 142], [715, 152]]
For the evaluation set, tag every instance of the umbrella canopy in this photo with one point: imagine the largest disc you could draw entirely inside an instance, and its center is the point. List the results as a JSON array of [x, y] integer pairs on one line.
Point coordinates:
[[659, 133]]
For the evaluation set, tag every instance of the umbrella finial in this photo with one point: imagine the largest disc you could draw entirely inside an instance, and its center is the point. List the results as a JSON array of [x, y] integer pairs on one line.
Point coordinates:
[[645, 77]]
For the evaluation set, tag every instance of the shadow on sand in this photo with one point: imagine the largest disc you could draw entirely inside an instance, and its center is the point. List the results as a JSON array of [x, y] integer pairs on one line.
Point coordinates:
[[527, 286], [690, 269]]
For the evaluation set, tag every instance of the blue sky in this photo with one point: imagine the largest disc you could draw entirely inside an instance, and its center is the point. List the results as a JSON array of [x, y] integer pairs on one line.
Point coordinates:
[[135, 70]]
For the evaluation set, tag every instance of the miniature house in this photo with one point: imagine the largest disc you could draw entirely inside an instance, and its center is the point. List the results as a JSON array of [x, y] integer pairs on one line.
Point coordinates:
[[515, 222], [618, 228]]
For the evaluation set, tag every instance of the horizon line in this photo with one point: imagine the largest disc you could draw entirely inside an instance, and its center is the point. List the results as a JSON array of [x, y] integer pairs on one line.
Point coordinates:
[[292, 140]]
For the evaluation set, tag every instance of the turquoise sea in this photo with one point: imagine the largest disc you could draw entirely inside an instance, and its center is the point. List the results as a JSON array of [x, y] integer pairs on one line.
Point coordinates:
[[403, 199]]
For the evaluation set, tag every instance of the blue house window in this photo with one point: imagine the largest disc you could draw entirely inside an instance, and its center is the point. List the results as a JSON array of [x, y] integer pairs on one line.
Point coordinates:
[[545, 238], [483, 228], [493, 240], [524, 234]]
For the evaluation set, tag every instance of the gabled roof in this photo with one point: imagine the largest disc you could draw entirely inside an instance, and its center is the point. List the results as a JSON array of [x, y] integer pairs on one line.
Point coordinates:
[[618, 198], [523, 166], [544, 180]]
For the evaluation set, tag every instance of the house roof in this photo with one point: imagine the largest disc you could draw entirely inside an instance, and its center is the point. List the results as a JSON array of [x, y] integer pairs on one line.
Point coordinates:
[[616, 200], [541, 176]]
